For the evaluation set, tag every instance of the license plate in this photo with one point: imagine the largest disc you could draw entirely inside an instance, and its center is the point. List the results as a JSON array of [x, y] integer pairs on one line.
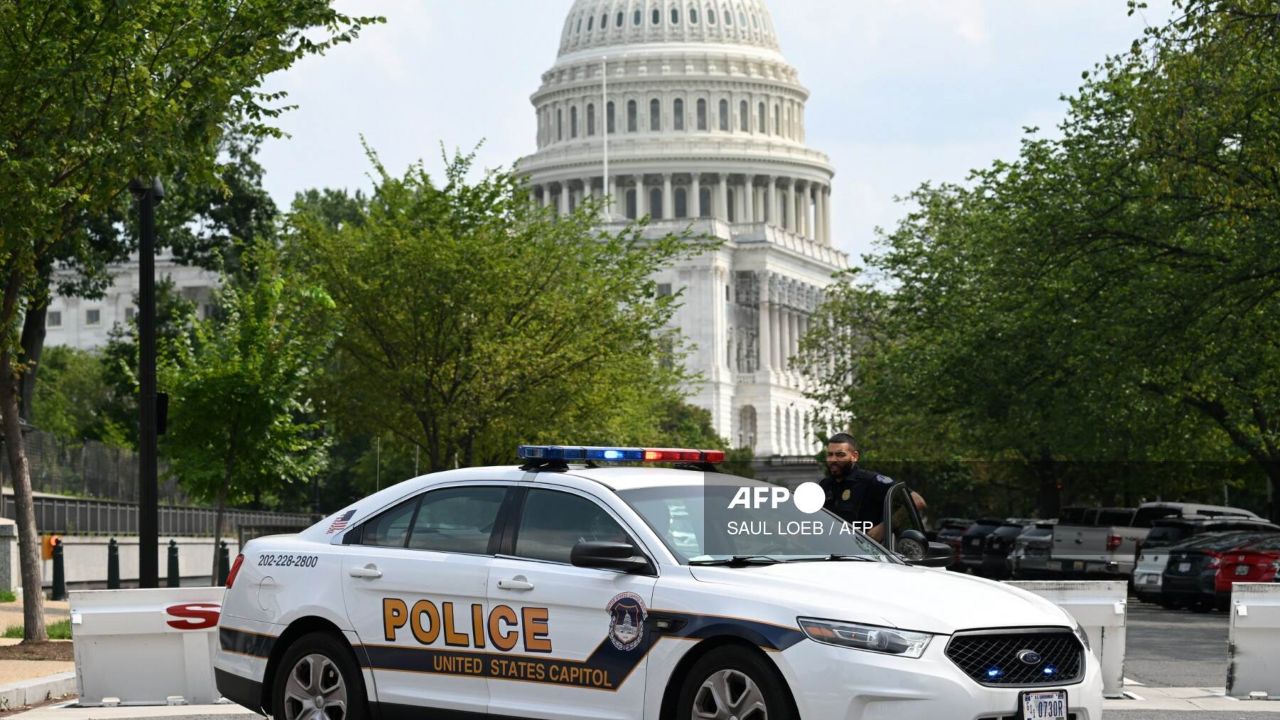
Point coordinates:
[[1184, 567], [1054, 564], [1044, 705], [1079, 566], [1242, 570]]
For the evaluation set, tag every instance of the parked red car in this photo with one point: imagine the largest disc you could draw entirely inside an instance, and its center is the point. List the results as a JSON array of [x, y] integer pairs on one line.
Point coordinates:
[[1259, 562]]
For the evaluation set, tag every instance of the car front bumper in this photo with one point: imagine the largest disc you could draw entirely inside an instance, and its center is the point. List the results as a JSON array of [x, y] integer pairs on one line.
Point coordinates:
[[836, 683]]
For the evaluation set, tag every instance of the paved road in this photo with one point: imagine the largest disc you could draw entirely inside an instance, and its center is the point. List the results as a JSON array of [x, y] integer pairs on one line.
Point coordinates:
[[1175, 648]]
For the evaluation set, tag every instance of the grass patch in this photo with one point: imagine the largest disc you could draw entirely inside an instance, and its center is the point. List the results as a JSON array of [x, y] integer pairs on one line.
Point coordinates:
[[8, 596], [60, 630]]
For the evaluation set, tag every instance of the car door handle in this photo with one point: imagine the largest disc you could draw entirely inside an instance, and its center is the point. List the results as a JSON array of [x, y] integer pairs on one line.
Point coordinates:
[[368, 571], [516, 583]]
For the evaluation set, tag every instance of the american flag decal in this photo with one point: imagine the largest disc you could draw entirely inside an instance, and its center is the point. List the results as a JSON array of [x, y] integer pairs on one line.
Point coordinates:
[[340, 523]]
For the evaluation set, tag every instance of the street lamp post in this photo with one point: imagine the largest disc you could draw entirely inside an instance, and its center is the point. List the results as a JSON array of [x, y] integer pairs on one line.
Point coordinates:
[[147, 195]]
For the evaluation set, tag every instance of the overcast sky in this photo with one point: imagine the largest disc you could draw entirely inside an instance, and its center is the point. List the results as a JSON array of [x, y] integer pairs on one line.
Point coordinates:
[[902, 91]]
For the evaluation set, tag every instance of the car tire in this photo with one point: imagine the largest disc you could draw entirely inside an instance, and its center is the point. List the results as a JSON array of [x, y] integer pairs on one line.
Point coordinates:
[[1202, 606], [733, 682], [318, 672]]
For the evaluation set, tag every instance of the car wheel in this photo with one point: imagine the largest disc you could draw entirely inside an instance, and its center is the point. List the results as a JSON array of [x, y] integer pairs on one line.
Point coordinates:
[[318, 680], [730, 683], [1202, 606]]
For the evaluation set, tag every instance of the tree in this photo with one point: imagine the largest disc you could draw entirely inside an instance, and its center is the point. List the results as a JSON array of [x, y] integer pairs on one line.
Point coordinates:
[[1110, 295], [472, 320], [241, 420], [93, 93]]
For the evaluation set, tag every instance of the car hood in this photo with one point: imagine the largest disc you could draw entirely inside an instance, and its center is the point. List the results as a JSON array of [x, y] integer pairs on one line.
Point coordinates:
[[901, 596]]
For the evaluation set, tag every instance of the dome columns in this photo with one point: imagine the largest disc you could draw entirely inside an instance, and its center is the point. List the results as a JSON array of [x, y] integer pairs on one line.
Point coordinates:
[[797, 205]]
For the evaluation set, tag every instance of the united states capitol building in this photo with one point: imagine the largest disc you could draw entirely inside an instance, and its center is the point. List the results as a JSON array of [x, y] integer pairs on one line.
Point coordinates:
[[705, 127]]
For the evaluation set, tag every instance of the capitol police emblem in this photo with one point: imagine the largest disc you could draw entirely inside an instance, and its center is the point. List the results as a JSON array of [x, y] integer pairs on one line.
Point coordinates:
[[845, 495], [626, 620]]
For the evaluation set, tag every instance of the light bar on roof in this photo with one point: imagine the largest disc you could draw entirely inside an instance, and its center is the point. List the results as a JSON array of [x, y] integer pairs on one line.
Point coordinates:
[[569, 453]]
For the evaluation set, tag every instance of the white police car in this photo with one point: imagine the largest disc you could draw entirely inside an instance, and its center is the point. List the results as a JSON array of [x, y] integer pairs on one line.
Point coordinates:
[[560, 590]]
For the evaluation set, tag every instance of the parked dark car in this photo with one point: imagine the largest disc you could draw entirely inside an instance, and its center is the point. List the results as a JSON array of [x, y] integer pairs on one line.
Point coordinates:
[[950, 530], [1189, 578], [1153, 553], [996, 548], [1030, 557], [973, 542]]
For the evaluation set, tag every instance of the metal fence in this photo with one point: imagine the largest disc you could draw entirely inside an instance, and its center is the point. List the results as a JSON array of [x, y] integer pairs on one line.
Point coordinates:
[[86, 468], [103, 481], [83, 516]]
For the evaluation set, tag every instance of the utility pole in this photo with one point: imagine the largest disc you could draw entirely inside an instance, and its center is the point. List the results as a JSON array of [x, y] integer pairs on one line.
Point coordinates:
[[147, 195]]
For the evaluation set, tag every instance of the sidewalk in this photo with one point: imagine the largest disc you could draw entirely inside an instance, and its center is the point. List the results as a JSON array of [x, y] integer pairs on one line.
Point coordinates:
[[28, 682]]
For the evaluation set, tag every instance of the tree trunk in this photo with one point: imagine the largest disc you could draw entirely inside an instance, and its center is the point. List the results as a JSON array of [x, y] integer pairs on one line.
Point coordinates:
[[1272, 469], [33, 334], [28, 542]]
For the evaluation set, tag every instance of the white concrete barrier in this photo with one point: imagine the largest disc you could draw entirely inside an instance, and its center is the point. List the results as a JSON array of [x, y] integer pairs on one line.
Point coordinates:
[[1253, 667], [145, 647], [1100, 606]]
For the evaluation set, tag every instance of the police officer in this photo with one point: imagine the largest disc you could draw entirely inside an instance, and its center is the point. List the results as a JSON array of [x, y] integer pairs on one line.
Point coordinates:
[[856, 495]]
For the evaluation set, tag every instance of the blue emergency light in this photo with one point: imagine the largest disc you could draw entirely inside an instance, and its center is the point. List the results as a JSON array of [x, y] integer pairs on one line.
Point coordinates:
[[570, 453]]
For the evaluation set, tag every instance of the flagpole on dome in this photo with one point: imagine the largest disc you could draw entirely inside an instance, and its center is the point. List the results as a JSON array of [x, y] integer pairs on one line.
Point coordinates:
[[604, 108]]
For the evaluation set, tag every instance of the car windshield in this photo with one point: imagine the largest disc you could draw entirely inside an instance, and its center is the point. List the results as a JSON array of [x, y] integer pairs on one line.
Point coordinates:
[[698, 526], [1164, 535]]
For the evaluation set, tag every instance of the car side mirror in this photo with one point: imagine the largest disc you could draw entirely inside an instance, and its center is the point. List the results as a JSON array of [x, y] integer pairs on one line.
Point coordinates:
[[608, 556], [936, 554]]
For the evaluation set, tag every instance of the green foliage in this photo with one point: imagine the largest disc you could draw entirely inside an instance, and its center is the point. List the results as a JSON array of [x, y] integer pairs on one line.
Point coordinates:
[[60, 630], [1109, 297], [7, 596], [472, 320], [75, 399], [240, 418]]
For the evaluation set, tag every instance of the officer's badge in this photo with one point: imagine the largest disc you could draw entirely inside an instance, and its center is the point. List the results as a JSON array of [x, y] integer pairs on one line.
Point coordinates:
[[845, 495], [626, 620]]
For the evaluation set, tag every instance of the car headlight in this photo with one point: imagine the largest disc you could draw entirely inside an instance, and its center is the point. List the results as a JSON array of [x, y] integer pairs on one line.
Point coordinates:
[[1081, 634], [891, 641]]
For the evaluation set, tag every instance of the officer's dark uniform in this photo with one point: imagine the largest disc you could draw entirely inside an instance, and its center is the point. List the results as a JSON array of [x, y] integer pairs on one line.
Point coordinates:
[[858, 496]]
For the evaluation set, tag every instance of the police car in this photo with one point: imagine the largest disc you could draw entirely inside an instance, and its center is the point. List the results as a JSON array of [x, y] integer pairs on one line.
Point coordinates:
[[570, 587]]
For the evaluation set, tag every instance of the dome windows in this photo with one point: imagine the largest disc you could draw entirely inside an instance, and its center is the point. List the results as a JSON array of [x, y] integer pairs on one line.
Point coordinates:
[[609, 124], [724, 116], [702, 114], [761, 125], [590, 21], [638, 17], [656, 16], [711, 16], [655, 115], [677, 114], [573, 122], [618, 20], [631, 116], [675, 16], [728, 18], [744, 116], [591, 119], [693, 16]]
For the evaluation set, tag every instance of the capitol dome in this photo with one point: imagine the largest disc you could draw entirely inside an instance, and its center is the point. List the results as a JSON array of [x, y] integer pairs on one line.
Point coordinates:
[[687, 112], [610, 24]]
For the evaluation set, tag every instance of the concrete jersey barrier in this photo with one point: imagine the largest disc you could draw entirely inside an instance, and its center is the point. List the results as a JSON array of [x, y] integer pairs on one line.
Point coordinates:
[[145, 647], [1253, 665], [1100, 607]]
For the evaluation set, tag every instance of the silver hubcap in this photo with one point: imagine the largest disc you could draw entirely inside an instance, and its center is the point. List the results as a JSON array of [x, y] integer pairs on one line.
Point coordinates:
[[315, 691], [729, 695]]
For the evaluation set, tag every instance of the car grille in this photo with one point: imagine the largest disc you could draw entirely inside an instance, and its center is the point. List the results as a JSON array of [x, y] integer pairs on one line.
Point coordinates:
[[991, 657]]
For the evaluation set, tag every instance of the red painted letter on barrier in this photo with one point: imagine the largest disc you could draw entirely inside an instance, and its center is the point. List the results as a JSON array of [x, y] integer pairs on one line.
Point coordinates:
[[194, 616]]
